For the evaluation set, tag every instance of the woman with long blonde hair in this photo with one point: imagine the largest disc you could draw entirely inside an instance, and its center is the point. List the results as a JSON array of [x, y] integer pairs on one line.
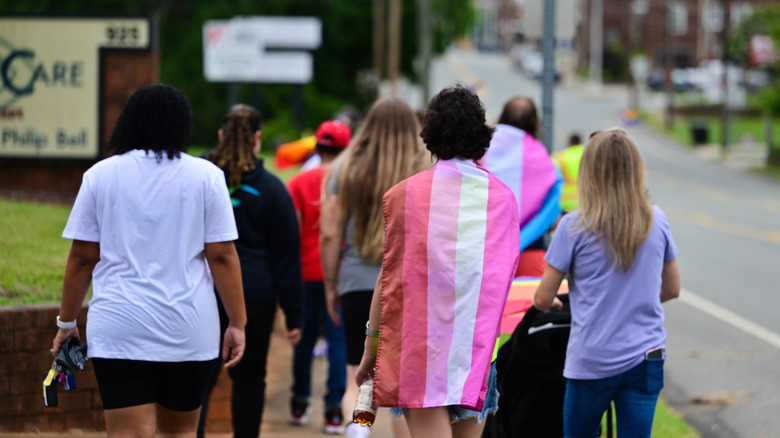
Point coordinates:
[[386, 150], [620, 258]]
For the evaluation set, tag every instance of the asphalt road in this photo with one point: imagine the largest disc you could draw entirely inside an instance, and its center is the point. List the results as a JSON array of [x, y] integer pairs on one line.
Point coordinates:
[[723, 333]]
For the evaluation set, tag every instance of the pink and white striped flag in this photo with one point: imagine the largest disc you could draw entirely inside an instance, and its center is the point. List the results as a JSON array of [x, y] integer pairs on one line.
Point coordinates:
[[450, 255]]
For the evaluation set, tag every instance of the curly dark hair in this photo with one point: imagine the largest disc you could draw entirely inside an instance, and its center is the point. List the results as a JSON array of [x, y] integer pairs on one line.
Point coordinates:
[[157, 118], [454, 125]]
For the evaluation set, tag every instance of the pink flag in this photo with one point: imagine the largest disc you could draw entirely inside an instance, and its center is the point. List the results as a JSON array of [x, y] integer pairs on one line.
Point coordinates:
[[450, 255]]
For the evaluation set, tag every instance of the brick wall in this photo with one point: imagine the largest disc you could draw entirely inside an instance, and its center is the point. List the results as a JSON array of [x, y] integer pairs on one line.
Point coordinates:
[[123, 73], [25, 340], [26, 334]]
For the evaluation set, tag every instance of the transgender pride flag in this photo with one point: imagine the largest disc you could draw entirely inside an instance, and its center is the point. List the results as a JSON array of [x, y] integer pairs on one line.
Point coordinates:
[[523, 164], [451, 249]]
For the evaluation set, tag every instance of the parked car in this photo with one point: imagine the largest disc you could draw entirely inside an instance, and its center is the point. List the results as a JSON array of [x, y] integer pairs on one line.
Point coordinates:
[[681, 80], [531, 62]]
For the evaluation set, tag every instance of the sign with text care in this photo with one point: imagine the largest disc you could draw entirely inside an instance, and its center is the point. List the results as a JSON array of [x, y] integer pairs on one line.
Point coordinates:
[[260, 49], [50, 82]]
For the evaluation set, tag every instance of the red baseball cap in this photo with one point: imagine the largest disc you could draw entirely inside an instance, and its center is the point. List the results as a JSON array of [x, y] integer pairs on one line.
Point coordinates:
[[334, 134]]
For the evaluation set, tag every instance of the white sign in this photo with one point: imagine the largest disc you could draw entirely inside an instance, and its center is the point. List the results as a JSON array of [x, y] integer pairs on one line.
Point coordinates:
[[249, 49]]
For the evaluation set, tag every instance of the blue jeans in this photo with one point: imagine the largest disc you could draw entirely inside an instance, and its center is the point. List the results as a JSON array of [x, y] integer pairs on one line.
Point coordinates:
[[314, 315], [635, 393]]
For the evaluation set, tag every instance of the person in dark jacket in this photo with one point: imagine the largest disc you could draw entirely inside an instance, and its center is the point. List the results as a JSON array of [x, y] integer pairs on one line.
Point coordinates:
[[269, 251]]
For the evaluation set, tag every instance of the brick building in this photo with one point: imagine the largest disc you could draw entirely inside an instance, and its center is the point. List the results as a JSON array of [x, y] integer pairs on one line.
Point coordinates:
[[689, 31]]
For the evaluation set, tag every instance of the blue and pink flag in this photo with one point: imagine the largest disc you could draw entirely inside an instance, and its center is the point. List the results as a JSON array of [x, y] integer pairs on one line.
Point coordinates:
[[523, 164], [451, 249]]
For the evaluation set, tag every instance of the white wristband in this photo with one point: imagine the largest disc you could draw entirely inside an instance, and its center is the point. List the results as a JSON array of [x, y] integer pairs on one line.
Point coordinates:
[[65, 325]]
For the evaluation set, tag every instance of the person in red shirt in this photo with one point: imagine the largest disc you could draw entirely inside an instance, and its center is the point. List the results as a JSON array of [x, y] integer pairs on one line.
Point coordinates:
[[306, 190]]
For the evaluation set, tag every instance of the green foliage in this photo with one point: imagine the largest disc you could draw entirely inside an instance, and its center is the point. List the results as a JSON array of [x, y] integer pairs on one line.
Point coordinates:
[[345, 53], [763, 21], [615, 63]]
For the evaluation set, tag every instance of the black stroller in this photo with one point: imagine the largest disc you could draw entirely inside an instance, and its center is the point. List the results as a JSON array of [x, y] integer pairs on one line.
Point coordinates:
[[530, 377]]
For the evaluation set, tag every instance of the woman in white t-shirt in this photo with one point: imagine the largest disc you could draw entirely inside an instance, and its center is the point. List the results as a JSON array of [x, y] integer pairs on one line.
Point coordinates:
[[153, 231]]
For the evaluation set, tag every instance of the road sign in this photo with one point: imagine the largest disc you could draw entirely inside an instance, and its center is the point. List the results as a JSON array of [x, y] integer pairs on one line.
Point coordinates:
[[257, 49]]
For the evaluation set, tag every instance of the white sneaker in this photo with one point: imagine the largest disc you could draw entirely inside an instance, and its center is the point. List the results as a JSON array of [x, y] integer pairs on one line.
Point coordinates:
[[321, 348], [299, 411], [354, 430]]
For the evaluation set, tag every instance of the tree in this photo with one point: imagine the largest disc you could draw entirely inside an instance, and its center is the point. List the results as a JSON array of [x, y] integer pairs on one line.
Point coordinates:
[[763, 21]]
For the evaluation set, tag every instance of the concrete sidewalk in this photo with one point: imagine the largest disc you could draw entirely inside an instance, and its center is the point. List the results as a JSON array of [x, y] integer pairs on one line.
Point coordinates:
[[275, 424]]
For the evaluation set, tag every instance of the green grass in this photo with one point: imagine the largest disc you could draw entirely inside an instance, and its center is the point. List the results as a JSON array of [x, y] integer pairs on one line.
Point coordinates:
[[665, 424], [33, 258], [739, 127]]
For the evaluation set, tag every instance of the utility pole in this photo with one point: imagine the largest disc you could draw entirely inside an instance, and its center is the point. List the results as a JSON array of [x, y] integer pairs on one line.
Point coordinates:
[[425, 48], [394, 45], [633, 90], [379, 41], [548, 73], [668, 66], [724, 136], [596, 27], [636, 10]]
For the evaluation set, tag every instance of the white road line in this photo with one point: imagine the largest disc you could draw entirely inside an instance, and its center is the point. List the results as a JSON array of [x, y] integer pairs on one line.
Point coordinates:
[[730, 318]]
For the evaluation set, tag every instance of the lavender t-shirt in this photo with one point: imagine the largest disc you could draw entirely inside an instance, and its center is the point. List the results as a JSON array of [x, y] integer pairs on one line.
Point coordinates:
[[616, 315]]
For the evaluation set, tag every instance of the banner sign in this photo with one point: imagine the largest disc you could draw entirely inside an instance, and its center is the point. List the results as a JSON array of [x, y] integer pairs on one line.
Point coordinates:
[[762, 51], [50, 82], [258, 49]]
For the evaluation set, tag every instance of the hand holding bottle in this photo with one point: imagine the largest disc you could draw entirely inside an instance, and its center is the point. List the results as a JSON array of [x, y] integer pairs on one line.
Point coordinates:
[[365, 411]]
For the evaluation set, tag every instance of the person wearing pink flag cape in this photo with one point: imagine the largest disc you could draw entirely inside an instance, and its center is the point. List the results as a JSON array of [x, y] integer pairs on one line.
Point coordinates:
[[451, 250], [522, 162]]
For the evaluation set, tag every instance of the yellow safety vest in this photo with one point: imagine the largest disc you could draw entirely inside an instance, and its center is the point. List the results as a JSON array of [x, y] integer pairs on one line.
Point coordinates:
[[568, 162]]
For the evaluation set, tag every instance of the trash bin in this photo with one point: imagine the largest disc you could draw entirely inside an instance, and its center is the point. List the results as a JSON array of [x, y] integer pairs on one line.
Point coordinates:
[[699, 131]]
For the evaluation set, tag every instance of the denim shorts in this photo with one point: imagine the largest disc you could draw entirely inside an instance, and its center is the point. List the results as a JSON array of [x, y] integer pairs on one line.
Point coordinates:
[[457, 413]]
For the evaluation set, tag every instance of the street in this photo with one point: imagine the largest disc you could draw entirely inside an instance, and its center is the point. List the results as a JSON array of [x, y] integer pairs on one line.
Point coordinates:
[[723, 342]]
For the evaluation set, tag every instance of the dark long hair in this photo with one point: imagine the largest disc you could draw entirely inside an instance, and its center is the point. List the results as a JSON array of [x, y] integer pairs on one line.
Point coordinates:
[[235, 152], [157, 118]]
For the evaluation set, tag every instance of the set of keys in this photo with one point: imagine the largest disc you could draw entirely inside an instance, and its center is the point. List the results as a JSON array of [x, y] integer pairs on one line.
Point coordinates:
[[56, 376]]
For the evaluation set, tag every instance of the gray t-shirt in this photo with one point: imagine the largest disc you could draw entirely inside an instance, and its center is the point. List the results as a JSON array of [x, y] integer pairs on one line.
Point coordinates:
[[355, 274], [616, 315]]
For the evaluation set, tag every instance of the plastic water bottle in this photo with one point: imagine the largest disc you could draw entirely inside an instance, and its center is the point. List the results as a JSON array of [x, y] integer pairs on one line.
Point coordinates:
[[365, 411]]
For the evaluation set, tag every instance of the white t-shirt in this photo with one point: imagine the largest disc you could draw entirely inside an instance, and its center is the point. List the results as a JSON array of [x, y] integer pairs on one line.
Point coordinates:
[[153, 294]]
